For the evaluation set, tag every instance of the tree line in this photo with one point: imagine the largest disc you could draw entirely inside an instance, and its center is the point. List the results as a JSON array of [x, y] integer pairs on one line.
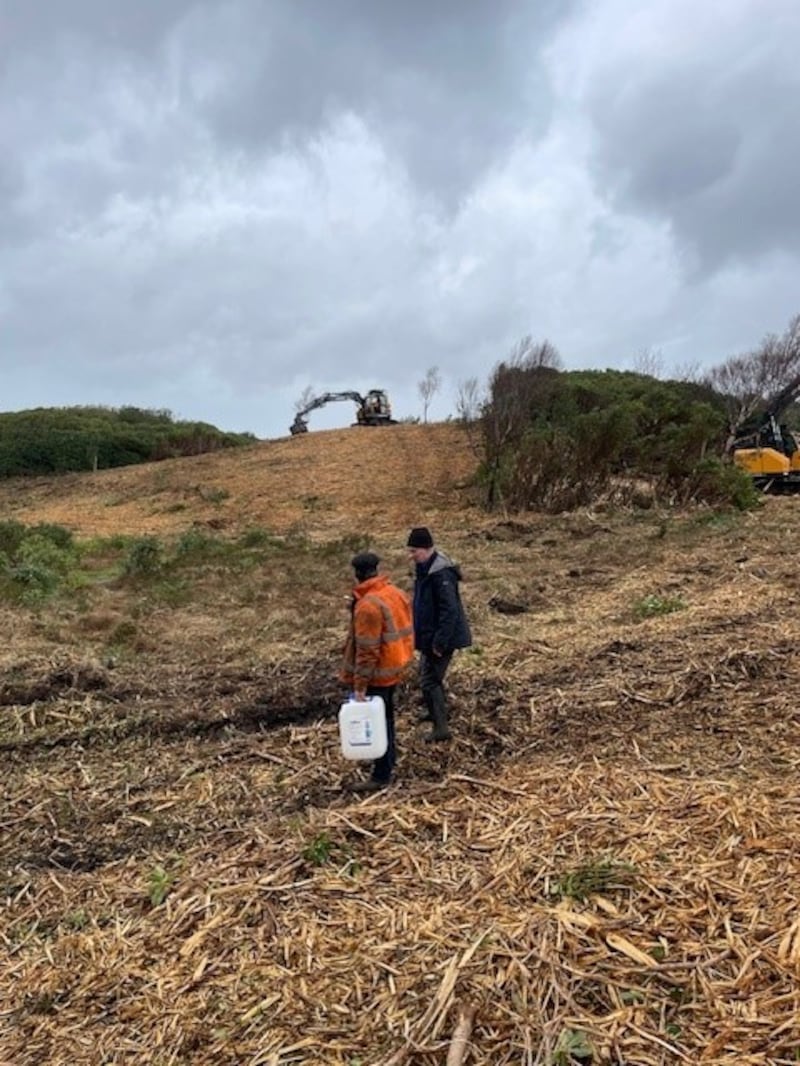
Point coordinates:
[[67, 439]]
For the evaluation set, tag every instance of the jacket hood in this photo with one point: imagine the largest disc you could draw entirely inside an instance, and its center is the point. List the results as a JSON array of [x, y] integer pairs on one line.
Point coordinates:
[[372, 584], [444, 562]]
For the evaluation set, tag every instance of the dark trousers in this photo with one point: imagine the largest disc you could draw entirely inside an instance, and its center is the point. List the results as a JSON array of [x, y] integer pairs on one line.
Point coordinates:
[[382, 768], [432, 669]]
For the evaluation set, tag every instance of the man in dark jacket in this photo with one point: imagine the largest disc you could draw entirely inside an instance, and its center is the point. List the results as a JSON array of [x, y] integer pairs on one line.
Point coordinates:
[[440, 624]]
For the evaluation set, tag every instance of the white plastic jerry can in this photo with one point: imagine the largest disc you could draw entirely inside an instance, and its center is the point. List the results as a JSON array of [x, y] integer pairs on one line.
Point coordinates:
[[362, 728]]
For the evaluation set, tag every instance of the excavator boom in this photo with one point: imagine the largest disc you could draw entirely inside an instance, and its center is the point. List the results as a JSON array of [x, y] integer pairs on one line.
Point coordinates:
[[373, 409]]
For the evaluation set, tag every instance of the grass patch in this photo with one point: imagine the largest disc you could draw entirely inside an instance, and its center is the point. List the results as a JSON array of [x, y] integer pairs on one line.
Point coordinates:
[[653, 606], [319, 850], [597, 876]]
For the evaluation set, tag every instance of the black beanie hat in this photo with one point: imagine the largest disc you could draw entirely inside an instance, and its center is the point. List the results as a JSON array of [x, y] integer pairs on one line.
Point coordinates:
[[420, 537], [365, 564]]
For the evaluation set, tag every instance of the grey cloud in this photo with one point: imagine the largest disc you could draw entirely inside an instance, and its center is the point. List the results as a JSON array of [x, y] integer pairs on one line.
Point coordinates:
[[130, 27], [713, 145], [449, 85]]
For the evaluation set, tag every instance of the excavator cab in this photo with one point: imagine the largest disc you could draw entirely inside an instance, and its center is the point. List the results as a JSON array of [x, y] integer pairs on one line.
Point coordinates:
[[769, 453], [375, 410]]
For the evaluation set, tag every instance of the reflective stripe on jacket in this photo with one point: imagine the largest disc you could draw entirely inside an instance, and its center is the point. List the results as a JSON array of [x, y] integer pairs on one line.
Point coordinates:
[[380, 644]]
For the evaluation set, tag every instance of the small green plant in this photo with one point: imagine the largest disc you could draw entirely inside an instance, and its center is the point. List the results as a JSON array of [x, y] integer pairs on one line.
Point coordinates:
[[572, 1046], [653, 606], [76, 920], [595, 876], [631, 996], [319, 851], [159, 885]]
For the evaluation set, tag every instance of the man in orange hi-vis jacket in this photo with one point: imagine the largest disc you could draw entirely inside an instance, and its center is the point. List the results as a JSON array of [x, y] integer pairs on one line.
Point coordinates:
[[379, 647]]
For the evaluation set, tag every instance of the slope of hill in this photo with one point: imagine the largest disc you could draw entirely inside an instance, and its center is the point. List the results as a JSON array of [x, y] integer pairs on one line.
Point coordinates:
[[599, 868], [356, 477]]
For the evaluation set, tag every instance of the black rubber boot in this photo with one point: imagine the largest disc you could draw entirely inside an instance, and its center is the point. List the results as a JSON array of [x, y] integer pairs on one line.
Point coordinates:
[[439, 715], [425, 714]]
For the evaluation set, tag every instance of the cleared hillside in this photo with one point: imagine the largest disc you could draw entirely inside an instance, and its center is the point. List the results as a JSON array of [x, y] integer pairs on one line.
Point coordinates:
[[600, 868], [363, 477]]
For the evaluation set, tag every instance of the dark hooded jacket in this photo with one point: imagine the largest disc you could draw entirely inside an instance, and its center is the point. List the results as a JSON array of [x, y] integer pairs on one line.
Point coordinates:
[[439, 618]]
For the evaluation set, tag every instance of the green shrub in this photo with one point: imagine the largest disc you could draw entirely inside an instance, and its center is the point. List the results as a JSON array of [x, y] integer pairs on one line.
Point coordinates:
[[555, 440], [58, 535], [195, 542], [145, 557], [36, 582], [38, 550], [12, 535], [717, 482]]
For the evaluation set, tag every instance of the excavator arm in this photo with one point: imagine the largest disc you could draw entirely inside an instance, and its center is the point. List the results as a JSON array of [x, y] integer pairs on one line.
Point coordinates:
[[762, 428], [300, 424]]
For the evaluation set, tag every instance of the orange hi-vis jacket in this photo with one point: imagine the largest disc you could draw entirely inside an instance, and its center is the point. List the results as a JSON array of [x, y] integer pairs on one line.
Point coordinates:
[[380, 644]]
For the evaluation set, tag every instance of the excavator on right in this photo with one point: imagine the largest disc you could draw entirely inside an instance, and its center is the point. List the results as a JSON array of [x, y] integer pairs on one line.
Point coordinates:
[[766, 448]]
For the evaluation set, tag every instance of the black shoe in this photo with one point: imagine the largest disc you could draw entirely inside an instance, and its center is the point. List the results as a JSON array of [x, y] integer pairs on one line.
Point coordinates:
[[370, 785], [425, 711], [438, 735], [439, 717]]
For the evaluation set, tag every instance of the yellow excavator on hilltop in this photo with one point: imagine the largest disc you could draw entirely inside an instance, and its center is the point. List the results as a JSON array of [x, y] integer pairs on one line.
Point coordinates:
[[766, 448]]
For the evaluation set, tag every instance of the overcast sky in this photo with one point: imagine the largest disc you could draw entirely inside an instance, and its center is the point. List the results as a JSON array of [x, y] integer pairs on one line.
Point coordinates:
[[208, 205]]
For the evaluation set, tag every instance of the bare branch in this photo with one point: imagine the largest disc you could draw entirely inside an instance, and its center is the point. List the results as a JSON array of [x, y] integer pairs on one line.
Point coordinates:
[[469, 400], [305, 398], [649, 362]]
